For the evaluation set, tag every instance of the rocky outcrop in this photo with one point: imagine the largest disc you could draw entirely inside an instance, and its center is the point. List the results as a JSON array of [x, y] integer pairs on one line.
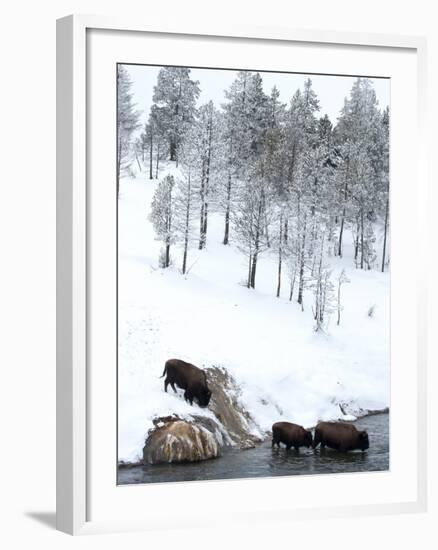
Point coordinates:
[[227, 407], [176, 440], [353, 411], [200, 436]]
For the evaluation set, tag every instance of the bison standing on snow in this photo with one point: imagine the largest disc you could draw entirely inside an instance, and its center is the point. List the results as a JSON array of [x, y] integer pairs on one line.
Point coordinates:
[[189, 378], [340, 436], [291, 435]]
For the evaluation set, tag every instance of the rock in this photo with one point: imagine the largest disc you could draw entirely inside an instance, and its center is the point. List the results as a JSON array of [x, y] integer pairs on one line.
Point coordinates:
[[351, 411], [226, 405], [248, 444], [175, 440], [201, 435]]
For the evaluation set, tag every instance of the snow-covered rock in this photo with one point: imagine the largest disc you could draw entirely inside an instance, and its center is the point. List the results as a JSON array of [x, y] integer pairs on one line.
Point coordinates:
[[178, 440], [237, 422]]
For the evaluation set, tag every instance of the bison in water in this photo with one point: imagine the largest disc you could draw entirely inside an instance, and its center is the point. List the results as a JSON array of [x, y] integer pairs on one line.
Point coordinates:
[[340, 436], [189, 378], [291, 435]]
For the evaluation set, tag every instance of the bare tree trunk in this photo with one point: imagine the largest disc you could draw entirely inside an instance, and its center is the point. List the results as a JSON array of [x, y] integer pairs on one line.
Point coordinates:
[[361, 239], [202, 211], [204, 220], [172, 150], [341, 232], [119, 163], [255, 256], [286, 230], [385, 234], [151, 144], [227, 212], [280, 255], [157, 160], [186, 228], [248, 282], [167, 259], [253, 269], [268, 241], [302, 258], [292, 285]]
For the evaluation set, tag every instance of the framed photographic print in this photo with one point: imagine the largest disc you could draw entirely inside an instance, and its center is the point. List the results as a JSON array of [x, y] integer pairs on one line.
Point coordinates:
[[240, 284]]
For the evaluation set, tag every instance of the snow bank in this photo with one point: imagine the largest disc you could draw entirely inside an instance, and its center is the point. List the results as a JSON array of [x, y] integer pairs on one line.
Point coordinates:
[[284, 369]]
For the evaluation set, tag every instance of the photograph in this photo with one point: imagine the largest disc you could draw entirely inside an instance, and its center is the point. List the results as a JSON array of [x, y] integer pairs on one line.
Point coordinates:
[[253, 273]]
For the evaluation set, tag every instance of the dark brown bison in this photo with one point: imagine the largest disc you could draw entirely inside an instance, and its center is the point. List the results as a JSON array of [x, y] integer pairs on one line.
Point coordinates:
[[340, 436], [189, 378], [291, 435]]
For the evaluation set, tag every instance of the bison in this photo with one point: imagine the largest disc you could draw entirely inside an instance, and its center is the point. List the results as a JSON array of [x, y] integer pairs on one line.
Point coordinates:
[[189, 378], [340, 436], [291, 435]]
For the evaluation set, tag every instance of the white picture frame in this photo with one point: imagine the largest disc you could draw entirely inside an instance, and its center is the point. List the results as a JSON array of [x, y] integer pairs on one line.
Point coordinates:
[[74, 219]]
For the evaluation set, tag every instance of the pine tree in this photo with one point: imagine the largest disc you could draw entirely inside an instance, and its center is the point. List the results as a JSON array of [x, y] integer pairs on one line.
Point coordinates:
[[323, 299], [385, 181], [185, 200], [206, 127], [162, 216], [187, 192], [246, 114], [127, 122], [249, 224], [175, 96], [360, 137]]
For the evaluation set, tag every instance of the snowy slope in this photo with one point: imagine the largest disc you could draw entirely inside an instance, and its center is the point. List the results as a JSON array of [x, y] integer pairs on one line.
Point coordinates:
[[285, 369]]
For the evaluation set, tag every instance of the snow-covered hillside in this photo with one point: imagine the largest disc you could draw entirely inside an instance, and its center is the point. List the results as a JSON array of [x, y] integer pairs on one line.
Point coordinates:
[[207, 317]]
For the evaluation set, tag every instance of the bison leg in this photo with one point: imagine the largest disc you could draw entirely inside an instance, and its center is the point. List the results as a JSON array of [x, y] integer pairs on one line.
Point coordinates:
[[316, 439], [188, 396], [288, 446], [297, 449], [166, 383], [173, 387]]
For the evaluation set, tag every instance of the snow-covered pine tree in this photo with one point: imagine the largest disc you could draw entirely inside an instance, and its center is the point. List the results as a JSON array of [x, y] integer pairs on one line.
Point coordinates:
[[246, 119], [127, 122], [274, 169], [185, 201], [255, 197], [323, 289], [234, 127], [187, 204], [175, 96], [385, 182], [150, 140], [162, 216], [206, 126], [302, 137], [360, 142], [249, 220]]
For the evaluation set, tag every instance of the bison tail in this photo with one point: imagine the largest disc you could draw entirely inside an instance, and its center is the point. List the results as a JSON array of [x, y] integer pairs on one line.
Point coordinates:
[[164, 371]]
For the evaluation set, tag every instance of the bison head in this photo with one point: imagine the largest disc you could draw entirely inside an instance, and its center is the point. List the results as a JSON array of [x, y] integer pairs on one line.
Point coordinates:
[[308, 439], [364, 441], [204, 397]]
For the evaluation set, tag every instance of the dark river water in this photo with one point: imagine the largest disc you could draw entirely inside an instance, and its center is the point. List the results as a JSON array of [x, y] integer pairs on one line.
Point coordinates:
[[263, 461]]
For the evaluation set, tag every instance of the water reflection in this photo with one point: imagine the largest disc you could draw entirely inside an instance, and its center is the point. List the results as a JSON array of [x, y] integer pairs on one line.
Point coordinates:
[[264, 461]]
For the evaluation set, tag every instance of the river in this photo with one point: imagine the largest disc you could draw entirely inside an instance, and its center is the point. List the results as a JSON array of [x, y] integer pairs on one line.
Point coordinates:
[[263, 461]]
